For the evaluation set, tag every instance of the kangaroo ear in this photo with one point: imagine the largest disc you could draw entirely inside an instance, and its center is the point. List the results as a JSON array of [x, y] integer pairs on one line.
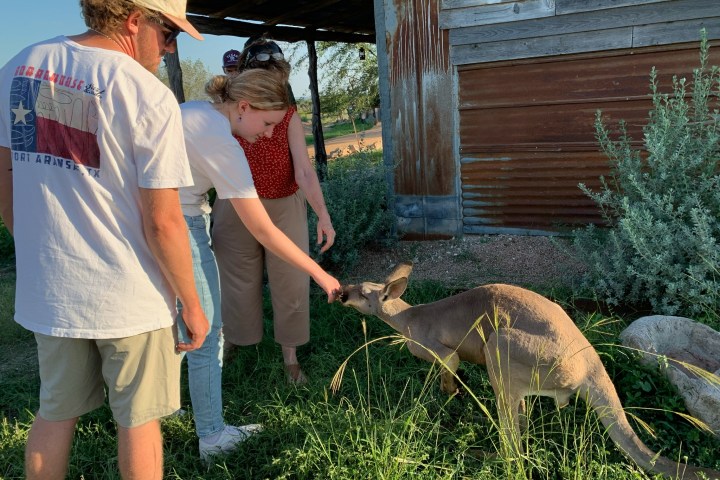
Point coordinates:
[[394, 289], [402, 270]]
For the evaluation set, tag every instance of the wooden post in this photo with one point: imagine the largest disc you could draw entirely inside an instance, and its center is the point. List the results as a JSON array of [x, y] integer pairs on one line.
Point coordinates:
[[318, 138], [172, 62]]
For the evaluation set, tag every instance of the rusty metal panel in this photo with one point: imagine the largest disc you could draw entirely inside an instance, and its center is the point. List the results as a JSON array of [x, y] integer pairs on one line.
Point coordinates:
[[611, 76], [530, 190], [420, 99], [533, 125], [527, 136]]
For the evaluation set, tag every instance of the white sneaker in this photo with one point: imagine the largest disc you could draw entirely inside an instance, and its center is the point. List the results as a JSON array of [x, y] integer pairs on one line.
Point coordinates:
[[228, 440]]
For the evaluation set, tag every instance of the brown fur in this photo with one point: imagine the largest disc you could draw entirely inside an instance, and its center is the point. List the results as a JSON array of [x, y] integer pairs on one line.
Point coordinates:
[[529, 345]]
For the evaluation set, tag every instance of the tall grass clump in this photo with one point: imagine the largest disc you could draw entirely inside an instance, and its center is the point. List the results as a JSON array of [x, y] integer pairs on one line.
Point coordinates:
[[387, 420], [662, 203], [356, 194]]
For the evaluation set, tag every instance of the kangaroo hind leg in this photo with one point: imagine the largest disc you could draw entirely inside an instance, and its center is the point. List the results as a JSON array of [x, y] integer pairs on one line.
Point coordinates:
[[510, 385]]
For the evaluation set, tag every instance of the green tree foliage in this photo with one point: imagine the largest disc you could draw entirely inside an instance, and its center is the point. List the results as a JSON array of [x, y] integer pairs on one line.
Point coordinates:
[[195, 76], [347, 83], [356, 195], [662, 205]]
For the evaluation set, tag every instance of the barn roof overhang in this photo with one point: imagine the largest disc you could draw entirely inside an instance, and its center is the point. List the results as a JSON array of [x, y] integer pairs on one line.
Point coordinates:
[[349, 21]]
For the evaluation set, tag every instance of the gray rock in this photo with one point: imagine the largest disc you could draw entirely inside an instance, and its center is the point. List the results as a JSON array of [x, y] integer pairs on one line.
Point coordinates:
[[688, 346]]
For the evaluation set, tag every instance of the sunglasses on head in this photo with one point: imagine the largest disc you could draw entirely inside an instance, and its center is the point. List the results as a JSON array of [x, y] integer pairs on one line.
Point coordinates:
[[263, 52], [170, 32], [264, 57]]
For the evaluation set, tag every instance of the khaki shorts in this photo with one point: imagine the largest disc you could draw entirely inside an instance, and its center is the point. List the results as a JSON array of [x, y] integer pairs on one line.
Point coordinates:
[[142, 374]]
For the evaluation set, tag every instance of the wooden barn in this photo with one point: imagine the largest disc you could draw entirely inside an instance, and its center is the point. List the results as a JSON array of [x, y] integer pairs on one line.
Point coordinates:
[[488, 106]]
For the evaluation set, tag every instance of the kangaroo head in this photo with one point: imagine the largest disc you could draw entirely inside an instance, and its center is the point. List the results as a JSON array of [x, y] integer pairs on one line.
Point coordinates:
[[369, 298]]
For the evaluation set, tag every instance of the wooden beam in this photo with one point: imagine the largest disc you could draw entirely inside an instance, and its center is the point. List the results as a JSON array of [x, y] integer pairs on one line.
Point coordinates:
[[238, 28], [292, 14], [611, 39], [172, 62], [495, 13], [637, 15], [228, 9], [318, 137], [574, 6], [675, 32], [445, 4]]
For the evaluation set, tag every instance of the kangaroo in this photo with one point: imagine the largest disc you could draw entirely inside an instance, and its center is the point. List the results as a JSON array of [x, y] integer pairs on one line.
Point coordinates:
[[529, 345]]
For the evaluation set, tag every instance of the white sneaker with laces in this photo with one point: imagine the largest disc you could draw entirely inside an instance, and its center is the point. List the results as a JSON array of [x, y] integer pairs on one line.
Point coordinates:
[[228, 440]]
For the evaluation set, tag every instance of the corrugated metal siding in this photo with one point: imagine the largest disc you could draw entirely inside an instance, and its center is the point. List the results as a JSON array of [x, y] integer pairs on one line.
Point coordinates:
[[527, 136]]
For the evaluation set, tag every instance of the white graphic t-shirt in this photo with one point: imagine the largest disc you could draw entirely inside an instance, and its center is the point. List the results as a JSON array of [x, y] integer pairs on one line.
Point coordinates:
[[88, 128]]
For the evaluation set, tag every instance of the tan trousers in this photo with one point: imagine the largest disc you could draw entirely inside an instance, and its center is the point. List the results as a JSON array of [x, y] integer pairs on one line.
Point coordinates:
[[241, 260]]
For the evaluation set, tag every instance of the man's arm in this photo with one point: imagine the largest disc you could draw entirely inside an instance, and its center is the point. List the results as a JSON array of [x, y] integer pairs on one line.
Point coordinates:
[[166, 233], [6, 189]]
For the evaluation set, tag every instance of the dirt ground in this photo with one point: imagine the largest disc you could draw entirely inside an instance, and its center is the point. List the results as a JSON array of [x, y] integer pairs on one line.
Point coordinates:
[[530, 261], [346, 144]]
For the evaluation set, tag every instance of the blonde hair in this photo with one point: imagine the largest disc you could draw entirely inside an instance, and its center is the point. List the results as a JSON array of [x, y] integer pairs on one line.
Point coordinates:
[[107, 15], [262, 89]]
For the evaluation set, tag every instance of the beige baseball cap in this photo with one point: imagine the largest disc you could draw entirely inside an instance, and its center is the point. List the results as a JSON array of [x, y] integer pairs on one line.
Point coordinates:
[[174, 10]]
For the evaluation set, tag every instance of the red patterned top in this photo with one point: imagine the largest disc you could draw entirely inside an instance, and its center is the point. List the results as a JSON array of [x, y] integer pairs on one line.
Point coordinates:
[[271, 162]]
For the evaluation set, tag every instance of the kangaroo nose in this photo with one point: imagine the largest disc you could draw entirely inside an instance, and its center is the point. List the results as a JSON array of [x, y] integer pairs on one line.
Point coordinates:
[[343, 297]]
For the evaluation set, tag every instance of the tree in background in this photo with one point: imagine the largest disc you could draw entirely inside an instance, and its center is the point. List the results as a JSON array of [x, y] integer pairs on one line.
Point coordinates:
[[195, 76], [348, 85]]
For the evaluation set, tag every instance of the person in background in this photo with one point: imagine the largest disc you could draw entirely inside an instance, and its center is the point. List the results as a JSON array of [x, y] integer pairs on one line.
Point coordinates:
[[248, 105], [285, 180], [91, 159], [230, 62]]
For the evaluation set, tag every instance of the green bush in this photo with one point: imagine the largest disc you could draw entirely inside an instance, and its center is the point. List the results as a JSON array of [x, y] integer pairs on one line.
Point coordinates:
[[662, 206], [356, 195], [7, 245]]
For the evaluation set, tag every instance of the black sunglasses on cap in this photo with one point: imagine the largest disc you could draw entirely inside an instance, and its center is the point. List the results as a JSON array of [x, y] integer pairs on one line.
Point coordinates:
[[263, 52], [170, 32]]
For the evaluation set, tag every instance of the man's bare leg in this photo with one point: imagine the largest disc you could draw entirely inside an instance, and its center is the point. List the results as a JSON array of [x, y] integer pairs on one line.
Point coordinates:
[[48, 449], [140, 452]]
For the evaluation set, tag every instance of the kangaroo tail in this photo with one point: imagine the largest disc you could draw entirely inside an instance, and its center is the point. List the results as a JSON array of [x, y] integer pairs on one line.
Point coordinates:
[[603, 398]]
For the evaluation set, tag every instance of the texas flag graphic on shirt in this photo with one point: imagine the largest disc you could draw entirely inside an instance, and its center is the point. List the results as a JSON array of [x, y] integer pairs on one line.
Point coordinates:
[[54, 121]]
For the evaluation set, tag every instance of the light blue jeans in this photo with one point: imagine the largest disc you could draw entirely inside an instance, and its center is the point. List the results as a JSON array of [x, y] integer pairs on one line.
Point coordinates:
[[205, 363]]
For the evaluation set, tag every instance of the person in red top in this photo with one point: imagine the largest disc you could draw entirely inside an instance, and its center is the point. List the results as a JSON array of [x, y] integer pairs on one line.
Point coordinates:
[[286, 181]]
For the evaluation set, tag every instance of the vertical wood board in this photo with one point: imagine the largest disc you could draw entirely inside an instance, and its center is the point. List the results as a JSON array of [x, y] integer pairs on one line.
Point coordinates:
[[421, 122]]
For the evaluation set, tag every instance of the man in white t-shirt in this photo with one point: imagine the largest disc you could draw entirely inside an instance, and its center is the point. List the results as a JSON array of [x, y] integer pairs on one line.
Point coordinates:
[[91, 159]]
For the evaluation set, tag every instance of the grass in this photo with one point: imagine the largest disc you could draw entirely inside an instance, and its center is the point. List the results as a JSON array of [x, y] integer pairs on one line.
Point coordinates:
[[339, 129], [388, 419]]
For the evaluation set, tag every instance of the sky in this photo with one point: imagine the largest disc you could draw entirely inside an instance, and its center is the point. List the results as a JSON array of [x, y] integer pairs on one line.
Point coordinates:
[[30, 21]]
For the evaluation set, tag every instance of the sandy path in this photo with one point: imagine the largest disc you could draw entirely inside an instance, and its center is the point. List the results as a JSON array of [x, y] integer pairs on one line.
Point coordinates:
[[339, 146]]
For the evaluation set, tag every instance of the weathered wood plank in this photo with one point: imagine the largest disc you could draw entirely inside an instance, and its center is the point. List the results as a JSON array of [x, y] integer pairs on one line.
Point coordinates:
[[542, 47], [448, 4], [676, 11], [574, 6], [675, 32], [496, 13]]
